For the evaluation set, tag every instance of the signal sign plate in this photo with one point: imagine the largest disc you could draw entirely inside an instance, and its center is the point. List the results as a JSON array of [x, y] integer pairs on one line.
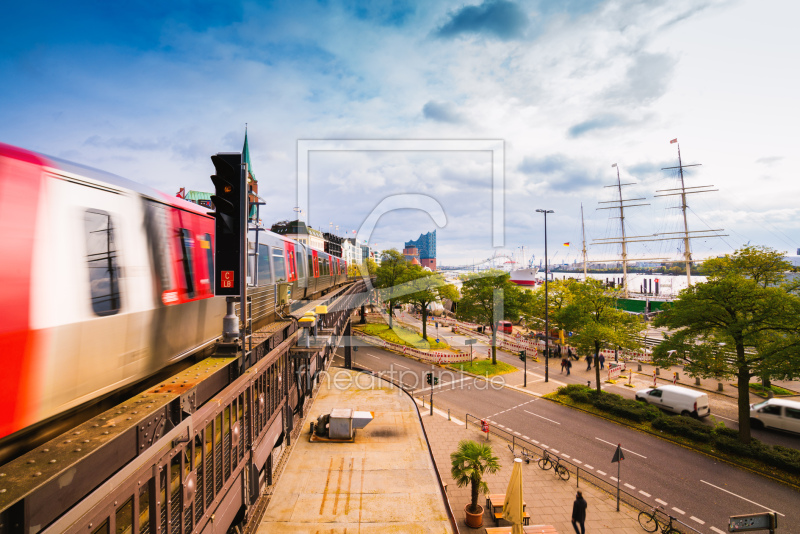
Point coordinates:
[[227, 279]]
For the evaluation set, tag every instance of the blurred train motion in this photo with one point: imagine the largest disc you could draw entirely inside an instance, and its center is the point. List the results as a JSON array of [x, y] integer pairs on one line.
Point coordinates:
[[103, 282]]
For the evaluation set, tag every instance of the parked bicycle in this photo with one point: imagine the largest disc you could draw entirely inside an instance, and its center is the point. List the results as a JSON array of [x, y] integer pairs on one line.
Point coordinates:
[[523, 455], [547, 462], [649, 522]]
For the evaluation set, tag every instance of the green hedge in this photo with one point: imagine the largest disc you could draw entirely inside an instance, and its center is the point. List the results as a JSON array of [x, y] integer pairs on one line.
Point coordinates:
[[610, 402], [720, 437]]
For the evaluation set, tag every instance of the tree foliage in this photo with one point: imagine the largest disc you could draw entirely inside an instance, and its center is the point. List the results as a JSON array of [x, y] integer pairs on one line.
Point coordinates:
[[393, 265], [420, 288], [763, 265], [739, 324], [490, 297], [597, 322], [559, 296]]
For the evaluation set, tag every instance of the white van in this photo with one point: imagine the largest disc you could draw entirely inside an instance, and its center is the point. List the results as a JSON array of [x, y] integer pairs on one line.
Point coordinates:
[[676, 399], [776, 413]]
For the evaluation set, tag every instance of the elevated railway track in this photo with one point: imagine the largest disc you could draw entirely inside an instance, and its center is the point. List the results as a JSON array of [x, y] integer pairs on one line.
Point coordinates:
[[193, 453]]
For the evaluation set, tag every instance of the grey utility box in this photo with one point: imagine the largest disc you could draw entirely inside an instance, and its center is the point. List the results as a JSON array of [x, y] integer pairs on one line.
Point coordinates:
[[341, 423]]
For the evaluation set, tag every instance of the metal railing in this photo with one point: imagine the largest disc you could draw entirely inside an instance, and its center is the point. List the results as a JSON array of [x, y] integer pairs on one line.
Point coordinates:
[[580, 474]]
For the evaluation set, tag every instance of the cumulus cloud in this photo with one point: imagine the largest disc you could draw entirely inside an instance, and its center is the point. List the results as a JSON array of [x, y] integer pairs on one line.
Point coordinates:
[[494, 18], [600, 122], [769, 161], [558, 172], [646, 79], [442, 112]]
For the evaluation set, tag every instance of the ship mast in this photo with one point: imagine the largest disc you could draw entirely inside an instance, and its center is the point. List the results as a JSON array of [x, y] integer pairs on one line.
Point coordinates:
[[583, 233], [620, 205], [687, 253]]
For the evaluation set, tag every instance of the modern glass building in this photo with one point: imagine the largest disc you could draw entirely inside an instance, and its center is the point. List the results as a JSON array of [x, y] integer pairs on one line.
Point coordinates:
[[426, 246]]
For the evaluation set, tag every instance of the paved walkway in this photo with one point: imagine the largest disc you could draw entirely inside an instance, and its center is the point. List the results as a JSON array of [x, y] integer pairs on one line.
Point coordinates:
[[383, 482], [549, 499]]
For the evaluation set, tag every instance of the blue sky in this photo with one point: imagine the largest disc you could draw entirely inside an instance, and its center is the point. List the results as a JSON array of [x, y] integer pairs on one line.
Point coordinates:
[[150, 90]]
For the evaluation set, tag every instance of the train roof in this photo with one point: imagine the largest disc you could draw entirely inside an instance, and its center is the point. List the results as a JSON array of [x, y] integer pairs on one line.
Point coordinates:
[[98, 175]]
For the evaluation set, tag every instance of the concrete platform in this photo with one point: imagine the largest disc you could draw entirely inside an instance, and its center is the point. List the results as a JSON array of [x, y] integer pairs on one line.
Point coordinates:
[[383, 482]]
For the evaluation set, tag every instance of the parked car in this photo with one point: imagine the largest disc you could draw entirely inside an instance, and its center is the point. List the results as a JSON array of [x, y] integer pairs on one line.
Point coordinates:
[[776, 413], [676, 399], [505, 327]]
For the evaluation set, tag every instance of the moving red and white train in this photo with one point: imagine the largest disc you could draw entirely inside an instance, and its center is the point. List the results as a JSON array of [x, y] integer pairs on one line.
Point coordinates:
[[104, 281]]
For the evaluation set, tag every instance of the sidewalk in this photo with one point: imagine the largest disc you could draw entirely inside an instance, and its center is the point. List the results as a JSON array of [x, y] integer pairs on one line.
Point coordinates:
[[549, 499]]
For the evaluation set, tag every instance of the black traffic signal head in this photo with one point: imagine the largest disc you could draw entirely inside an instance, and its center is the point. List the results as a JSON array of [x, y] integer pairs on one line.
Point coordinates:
[[230, 203], [428, 377], [435, 380], [522, 355]]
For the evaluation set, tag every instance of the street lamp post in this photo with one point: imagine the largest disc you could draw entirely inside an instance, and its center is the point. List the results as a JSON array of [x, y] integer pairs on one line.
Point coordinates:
[[546, 307]]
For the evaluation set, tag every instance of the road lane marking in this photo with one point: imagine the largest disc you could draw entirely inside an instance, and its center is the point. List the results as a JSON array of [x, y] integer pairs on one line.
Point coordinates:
[[526, 437], [679, 510], [545, 446], [602, 472], [748, 500], [403, 366], [536, 442], [718, 531], [373, 356], [728, 418], [587, 466], [659, 501], [555, 451], [565, 456], [645, 493], [517, 433], [545, 418], [693, 518], [575, 460], [629, 486], [623, 448], [615, 479]]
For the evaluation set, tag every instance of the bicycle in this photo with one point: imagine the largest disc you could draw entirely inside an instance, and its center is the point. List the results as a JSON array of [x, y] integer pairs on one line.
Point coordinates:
[[546, 463], [524, 454], [649, 522]]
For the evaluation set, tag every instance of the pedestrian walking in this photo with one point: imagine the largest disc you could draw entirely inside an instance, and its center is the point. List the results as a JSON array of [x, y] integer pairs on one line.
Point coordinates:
[[563, 364], [569, 353], [579, 513], [588, 362], [602, 361], [569, 366]]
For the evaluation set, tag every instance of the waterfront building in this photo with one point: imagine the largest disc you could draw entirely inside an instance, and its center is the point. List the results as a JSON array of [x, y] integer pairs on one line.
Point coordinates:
[[300, 232], [411, 254], [426, 245]]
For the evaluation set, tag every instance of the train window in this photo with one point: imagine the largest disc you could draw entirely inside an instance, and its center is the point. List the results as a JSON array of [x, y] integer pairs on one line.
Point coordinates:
[[102, 528], [264, 270], [279, 264], [174, 504], [185, 251], [125, 518], [144, 510], [206, 244], [101, 254], [301, 264], [156, 225], [310, 265]]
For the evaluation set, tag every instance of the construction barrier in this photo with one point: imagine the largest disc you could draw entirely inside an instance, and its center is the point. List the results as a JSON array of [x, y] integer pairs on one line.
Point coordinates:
[[439, 357]]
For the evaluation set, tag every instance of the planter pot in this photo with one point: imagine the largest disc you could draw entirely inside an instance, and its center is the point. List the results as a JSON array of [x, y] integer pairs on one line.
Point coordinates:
[[474, 520]]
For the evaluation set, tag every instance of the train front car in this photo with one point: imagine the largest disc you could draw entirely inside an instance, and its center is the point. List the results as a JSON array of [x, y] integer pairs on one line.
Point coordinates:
[[106, 282]]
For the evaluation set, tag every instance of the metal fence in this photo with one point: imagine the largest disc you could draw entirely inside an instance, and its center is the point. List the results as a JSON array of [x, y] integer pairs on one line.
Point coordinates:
[[581, 474]]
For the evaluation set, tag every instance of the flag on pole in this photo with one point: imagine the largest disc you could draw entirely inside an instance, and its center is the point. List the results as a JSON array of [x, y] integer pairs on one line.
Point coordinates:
[[566, 244], [614, 165], [674, 141], [251, 176]]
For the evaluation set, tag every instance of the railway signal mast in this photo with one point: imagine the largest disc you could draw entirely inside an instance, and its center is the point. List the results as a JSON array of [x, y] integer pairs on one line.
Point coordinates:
[[230, 246]]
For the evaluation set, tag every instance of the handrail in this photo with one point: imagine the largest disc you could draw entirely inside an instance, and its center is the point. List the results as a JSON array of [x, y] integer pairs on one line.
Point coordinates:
[[601, 484]]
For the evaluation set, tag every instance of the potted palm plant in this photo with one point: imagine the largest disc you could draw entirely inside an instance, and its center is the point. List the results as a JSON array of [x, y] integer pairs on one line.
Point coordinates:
[[469, 463]]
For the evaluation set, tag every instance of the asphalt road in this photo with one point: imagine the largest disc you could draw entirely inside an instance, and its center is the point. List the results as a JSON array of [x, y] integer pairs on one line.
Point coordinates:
[[723, 408], [696, 489]]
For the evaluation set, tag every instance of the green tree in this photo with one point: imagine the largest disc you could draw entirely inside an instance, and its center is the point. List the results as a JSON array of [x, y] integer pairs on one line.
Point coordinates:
[[393, 265], [468, 465], [732, 326], [559, 296], [763, 265], [420, 288], [593, 316], [489, 298]]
